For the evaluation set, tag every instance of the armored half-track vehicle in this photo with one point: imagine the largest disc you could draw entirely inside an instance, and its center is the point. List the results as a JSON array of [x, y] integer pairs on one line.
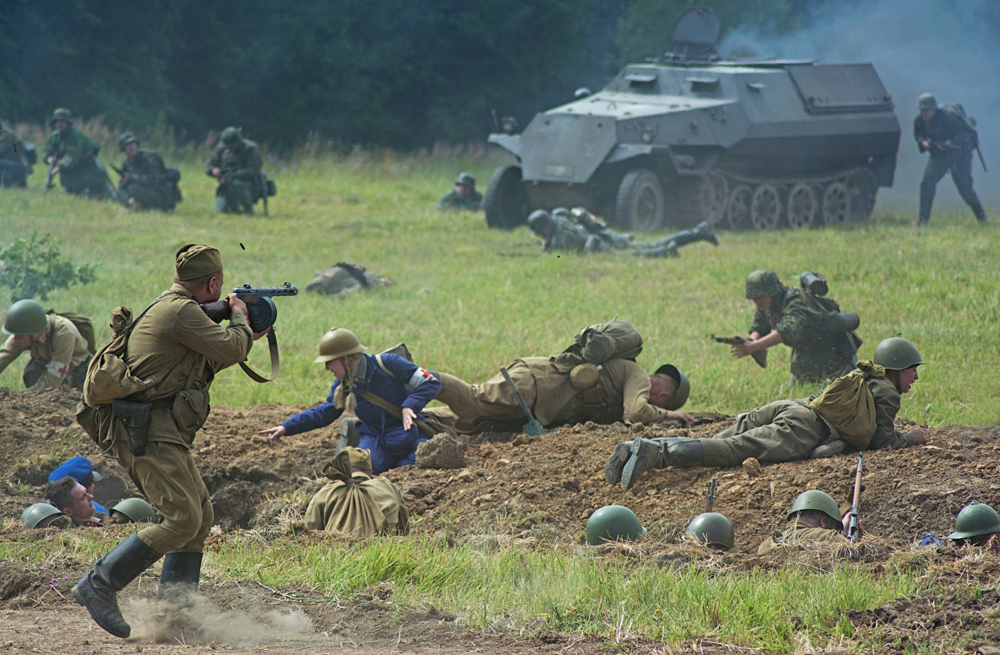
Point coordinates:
[[689, 137]]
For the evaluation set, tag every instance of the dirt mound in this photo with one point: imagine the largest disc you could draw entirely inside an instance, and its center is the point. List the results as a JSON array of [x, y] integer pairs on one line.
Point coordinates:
[[520, 487]]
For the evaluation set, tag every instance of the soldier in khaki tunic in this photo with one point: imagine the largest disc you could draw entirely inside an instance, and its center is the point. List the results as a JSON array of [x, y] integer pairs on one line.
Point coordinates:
[[59, 354], [175, 343], [782, 431], [621, 390], [814, 518]]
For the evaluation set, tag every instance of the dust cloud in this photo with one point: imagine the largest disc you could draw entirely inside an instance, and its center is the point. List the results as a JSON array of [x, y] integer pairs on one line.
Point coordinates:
[[943, 47]]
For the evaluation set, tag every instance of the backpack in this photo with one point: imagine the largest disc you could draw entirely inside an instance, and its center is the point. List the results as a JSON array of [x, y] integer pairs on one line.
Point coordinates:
[[847, 404], [108, 376], [967, 122], [83, 325], [599, 343]]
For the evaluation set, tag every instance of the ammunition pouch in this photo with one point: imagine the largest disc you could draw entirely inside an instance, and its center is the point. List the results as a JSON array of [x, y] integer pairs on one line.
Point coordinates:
[[135, 417]]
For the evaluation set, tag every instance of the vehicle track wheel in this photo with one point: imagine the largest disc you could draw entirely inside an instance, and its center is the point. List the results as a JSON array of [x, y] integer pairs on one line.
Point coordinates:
[[862, 187], [836, 204], [506, 202], [765, 208], [738, 208], [714, 194], [802, 206], [640, 204]]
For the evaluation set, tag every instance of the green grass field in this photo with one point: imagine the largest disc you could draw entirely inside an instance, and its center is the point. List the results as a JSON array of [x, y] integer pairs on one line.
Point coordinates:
[[468, 299]]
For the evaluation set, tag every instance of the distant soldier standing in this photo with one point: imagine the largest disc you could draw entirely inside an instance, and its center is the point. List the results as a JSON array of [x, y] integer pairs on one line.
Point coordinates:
[[15, 161], [75, 159], [59, 353], [950, 137], [463, 196], [237, 164], [146, 182]]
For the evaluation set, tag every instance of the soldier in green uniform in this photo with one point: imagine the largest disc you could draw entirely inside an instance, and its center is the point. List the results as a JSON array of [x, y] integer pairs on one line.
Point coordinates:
[[356, 503], [58, 352], [947, 134], [175, 343], [236, 164], [814, 518], [581, 231], [15, 160], [145, 182], [782, 431], [463, 196], [812, 326], [73, 152]]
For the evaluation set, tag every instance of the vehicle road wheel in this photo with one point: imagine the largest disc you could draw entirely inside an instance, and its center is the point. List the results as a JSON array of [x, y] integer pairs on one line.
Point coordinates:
[[836, 204], [738, 209], [765, 208], [640, 204], [506, 202], [714, 196], [802, 206]]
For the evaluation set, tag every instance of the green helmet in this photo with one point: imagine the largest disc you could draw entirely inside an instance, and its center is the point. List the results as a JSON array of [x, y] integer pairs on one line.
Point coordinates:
[[896, 354], [561, 212], [136, 509], [337, 343], [815, 500], [126, 139], [540, 220], [37, 513], [61, 114], [25, 317], [974, 520], [926, 101], [466, 179], [231, 137], [683, 385], [763, 283], [613, 523], [712, 529]]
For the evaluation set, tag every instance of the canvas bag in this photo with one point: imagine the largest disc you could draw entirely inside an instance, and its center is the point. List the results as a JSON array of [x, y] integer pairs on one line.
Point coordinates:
[[83, 325], [847, 404], [600, 343]]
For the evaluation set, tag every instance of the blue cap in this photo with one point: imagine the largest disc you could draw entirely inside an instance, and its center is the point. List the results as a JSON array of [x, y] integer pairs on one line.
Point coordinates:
[[78, 468]]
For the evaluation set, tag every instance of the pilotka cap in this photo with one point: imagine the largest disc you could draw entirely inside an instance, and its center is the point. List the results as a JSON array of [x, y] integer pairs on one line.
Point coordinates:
[[194, 261]]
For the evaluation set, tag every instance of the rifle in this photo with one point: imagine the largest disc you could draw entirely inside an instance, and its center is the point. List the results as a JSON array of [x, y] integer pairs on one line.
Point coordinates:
[[853, 529], [710, 498], [760, 356], [262, 313], [263, 189], [980, 153], [48, 179], [117, 170]]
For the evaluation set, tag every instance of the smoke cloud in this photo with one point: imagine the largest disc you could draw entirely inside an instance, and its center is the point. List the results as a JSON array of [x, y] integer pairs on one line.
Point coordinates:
[[943, 47]]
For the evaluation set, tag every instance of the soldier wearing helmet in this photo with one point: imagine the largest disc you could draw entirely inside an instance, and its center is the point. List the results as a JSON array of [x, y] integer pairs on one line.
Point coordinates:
[[75, 157], [236, 164], [463, 196], [799, 319], [387, 391], [132, 510], [815, 518], [16, 159], [146, 182], [580, 231], [59, 354], [782, 431], [950, 136], [977, 525], [712, 529], [44, 515]]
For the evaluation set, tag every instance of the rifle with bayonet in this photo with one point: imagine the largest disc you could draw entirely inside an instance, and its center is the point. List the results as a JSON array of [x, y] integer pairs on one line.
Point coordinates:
[[853, 526], [710, 498], [760, 356]]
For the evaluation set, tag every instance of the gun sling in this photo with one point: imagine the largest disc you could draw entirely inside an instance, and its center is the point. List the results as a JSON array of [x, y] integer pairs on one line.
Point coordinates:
[[272, 346]]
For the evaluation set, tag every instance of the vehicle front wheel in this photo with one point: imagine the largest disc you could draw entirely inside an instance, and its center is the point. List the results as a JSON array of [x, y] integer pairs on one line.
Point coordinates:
[[506, 202], [640, 204]]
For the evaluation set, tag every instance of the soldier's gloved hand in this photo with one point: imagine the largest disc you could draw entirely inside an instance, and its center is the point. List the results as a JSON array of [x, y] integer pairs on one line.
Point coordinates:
[[408, 417], [683, 417], [274, 435]]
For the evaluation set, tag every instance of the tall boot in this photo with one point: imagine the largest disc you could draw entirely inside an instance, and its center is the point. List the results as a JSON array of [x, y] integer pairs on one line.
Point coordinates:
[[98, 590], [180, 574], [702, 232], [648, 454], [623, 451]]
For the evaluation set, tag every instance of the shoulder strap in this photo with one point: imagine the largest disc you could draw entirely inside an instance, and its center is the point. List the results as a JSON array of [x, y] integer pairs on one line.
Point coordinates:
[[381, 365], [394, 410]]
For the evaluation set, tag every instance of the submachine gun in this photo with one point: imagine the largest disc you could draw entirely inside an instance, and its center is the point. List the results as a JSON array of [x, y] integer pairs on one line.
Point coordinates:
[[262, 314]]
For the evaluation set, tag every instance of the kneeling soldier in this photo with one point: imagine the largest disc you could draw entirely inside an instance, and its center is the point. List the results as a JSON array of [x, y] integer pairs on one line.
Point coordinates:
[[59, 353]]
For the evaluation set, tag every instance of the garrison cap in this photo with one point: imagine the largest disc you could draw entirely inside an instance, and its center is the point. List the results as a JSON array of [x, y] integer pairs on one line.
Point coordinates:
[[763, 283], [61, 114], [193, 261], [926, 101], [126, 139], [78, 468]]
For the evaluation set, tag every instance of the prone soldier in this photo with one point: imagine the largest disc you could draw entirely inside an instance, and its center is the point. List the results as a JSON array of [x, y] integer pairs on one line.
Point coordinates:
[[58, 352], [73, 155], [146, 182], [236, 164], [463, 196], [581, 231]]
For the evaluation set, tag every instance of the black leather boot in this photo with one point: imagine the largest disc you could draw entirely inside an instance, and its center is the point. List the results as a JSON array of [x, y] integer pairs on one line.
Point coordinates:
[[613, 469], [181, 571], [98, 590], [648, 454]]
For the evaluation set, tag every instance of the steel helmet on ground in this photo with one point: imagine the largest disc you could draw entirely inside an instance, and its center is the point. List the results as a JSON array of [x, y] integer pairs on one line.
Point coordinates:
[[37, 513], [815, 500], [712, 529], [613, 523], [896, 354], [337, 343], [683, 385], [974, 520], [926, 101], [25, 317], [136, 509], [763, 283]]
